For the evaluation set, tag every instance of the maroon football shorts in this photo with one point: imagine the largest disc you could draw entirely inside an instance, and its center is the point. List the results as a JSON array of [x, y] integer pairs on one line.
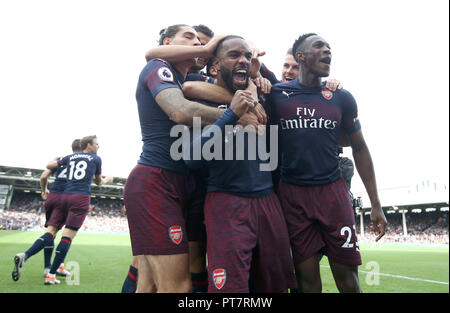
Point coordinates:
[[155, 200], [247, 235], [320, 219], [55, 210], [77, 207]]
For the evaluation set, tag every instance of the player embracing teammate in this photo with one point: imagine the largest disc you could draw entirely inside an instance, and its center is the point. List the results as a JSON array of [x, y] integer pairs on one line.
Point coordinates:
[[71, 207], [316, 211]]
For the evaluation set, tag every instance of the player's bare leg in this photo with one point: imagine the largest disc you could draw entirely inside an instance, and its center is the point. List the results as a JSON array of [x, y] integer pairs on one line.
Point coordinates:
[[145, 283], [346, 277], [52, 230], [197, 257], [171, 272], [308, 275]]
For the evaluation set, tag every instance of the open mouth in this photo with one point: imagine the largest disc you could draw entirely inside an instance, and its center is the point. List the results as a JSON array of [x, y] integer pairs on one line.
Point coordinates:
[[288, 78], [326, 60], [240, 77]]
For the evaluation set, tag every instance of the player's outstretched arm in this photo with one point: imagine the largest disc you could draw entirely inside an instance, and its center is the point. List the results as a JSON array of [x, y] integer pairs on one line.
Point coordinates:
[[99, 180], [364, 165], [206, 91], [53, 163], [178, 53], [217, 94]]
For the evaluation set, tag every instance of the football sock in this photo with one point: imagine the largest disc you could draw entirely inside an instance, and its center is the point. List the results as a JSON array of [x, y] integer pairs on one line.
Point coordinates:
[[130, 283], [199, 282], [48, 251], [39, 244], [60, 253]]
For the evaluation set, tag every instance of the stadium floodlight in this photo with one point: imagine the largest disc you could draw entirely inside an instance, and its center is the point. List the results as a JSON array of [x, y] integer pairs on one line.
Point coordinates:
[[27, 191], [37, 191], [121, 198], [367, 213], [2, 173], [430, 209], [390, 211], [114, 198], [403, 211], [417, 211], [103, 197], [444, 209], [92, 196], [395, 208]]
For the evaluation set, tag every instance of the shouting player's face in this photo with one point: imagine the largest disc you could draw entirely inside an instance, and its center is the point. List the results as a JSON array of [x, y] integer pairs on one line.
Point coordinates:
[[317, 56], [235, 64]]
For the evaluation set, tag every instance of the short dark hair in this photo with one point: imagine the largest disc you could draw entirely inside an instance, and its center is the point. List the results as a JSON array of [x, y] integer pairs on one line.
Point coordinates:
[[204, 29], [87, 140], [220, 44], [169, 32], [298, 43], [76, 145]]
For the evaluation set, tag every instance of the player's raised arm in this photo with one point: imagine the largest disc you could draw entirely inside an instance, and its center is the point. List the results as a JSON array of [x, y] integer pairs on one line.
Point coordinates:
[[364, 165], [178, 53]]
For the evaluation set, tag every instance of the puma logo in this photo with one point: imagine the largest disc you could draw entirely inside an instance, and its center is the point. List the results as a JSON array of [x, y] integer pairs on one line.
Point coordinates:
[[286, 93]]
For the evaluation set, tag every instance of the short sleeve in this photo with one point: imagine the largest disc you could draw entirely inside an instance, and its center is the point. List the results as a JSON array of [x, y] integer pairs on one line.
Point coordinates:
[[99, 166], [350, 122], [160, 76], [62, 161]]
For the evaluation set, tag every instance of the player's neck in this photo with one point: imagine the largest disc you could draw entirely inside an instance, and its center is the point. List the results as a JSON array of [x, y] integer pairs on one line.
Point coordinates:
[[309, 79], [182, 67], [221, 83]]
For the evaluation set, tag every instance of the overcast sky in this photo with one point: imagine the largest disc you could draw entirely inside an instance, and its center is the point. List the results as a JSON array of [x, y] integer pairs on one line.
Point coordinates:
[[70, 68]]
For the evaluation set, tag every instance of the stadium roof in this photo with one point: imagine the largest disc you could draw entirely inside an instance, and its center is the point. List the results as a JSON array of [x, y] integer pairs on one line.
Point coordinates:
[[29, 179], [422, 194]]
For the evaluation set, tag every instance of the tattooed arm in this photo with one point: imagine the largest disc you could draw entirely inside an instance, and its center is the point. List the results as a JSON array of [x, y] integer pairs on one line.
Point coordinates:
[[181, 110]]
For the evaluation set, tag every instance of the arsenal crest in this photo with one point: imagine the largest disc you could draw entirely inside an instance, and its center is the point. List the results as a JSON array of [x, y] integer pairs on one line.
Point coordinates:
[[176, 234], [219, 278], [327, 94]]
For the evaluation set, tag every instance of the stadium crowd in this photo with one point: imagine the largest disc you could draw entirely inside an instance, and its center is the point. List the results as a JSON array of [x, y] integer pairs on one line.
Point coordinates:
[[423, 228], [106, 215], [26, 212]]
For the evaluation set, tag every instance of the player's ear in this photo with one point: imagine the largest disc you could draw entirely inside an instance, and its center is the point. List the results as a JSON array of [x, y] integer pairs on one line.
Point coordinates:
[[300, 56], [215, 68], [166, 41]]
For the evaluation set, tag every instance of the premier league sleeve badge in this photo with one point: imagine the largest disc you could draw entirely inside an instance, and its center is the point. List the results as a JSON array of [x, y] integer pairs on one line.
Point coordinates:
[[165, 74]]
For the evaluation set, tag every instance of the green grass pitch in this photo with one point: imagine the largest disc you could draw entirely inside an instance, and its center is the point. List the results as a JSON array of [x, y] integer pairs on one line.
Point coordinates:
[[103, 261]]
